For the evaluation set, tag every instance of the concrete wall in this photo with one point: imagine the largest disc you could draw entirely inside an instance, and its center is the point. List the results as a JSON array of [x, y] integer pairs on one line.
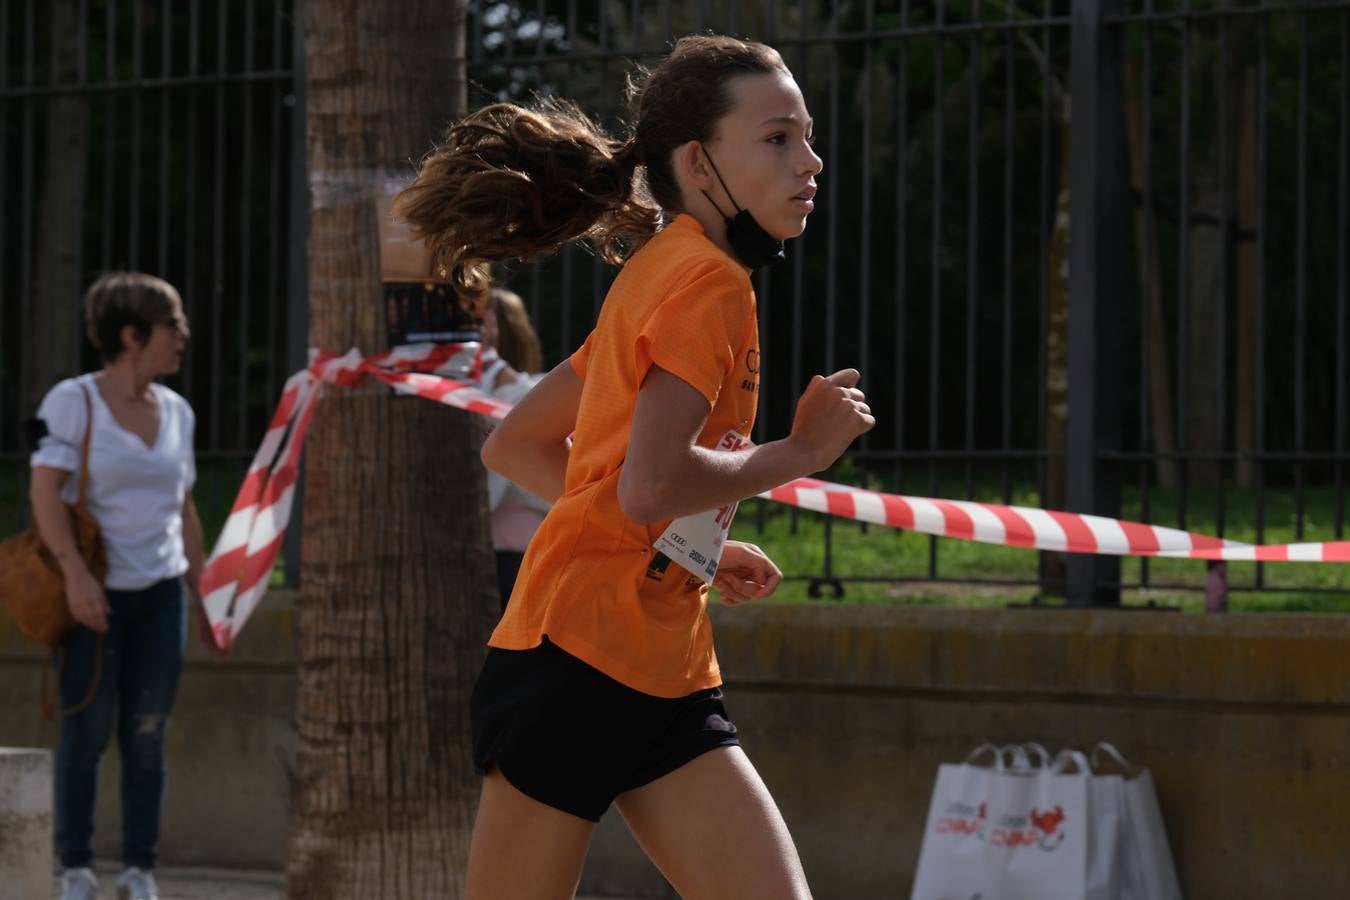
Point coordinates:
[[847, 711], [230, 746]]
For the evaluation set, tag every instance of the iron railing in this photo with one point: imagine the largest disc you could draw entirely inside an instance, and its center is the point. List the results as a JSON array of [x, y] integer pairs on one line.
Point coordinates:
[[1207, 174]]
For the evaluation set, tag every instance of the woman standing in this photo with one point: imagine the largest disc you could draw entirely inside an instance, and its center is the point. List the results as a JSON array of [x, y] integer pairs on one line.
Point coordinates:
[[141, 472]]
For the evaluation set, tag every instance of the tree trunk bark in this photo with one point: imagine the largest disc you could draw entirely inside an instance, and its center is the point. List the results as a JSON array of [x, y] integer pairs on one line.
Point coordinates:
[[1207, 340], [1054, 565], [55, 336], [398, 590], [1147, 258]]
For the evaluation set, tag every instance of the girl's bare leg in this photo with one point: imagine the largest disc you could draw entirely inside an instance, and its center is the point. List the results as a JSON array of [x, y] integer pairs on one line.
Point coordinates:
[[523, 849], [713, 831]]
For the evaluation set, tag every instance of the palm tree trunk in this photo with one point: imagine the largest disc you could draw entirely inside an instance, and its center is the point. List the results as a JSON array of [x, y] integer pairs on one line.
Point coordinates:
[[397, 584]]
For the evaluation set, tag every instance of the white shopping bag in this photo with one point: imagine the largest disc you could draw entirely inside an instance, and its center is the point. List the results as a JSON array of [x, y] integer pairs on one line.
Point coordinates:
[[1001, 833], [1106, 810], [1147, 871]]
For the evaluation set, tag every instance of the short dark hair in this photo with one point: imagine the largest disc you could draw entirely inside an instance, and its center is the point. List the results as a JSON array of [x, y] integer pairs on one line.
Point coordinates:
[[119, 299]]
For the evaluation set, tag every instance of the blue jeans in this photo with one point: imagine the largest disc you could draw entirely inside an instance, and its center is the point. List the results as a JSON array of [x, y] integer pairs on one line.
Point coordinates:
[[142, 659]]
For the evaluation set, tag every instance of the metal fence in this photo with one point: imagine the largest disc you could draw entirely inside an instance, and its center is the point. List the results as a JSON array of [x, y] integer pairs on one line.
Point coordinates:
[[155, 136], [1188, 208]]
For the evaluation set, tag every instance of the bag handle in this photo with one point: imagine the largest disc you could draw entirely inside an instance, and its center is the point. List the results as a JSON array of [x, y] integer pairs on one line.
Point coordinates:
[[1110, 750], [1033, 748], [49, 702], [1067, 757], [981, 750], [1115, 761], [84, 447]]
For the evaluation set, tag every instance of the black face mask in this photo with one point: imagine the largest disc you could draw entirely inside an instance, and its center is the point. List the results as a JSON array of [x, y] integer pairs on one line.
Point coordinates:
[[753, 246]]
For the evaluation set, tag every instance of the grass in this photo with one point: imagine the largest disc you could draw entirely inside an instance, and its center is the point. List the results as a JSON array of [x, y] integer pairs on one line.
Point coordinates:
[[900, 563]]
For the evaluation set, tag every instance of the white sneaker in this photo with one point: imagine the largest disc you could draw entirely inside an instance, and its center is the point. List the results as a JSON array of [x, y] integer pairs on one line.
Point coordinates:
[[136, 884], [79, 884]]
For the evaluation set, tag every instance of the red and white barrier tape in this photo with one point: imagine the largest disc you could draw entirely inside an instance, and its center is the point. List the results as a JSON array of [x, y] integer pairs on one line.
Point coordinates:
[[1039, 529], [235, 577]]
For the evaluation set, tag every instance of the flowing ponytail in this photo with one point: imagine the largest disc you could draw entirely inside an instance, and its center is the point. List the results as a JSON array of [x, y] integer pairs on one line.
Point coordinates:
[[511, 182]]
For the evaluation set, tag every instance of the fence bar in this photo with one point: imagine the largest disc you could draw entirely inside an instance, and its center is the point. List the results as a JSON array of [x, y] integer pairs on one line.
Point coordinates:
[[1225, 241], [901, 237], [26, 202], [245, 289], [1009, 156], [1183, 438], [1147, 440], [134, 164], [1342, 266], [1094, 290], [865, 238], [1300, 271], [6, 376], [1262, 150], [972, 251], [218, 238], [1042, 256], [297, 269]]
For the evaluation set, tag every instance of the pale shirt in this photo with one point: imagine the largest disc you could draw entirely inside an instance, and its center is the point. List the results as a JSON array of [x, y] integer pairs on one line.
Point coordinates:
[[516, 513], [135, 492]]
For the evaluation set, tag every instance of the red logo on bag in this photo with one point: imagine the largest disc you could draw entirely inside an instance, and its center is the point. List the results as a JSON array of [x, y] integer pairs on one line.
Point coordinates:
[[1047, 821], [1037, 829]]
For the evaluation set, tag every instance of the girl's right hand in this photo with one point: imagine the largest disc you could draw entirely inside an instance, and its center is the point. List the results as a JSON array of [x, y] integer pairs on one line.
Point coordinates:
[[830, 415], [86, 599]]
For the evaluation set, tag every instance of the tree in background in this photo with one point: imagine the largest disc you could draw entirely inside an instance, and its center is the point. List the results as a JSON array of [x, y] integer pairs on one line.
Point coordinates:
[[397, 584]]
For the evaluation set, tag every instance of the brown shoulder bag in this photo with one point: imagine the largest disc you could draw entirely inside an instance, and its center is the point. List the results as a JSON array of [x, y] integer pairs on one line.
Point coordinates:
[[32, 588]]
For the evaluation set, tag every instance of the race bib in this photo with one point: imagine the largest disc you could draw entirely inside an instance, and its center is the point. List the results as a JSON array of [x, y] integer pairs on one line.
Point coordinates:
[[696, 541]]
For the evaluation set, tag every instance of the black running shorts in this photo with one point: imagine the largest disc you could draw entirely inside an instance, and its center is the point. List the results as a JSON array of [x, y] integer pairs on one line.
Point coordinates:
[[571, 737]]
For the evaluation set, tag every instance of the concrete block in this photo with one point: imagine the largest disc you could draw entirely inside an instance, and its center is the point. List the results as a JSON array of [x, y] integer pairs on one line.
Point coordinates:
[[25, 823]]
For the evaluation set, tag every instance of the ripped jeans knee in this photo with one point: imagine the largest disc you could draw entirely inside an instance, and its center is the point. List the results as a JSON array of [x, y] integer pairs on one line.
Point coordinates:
[[141, 739]]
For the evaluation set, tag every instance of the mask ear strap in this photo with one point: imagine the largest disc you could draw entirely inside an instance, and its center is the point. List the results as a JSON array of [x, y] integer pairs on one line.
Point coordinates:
[[708, 157], [715, 206]]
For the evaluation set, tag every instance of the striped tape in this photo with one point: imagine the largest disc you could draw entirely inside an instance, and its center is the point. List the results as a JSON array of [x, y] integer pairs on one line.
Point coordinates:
[[236, 575]]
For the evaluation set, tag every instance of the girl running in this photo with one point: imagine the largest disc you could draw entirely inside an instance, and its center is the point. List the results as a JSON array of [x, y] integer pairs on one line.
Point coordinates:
[[601, 686]]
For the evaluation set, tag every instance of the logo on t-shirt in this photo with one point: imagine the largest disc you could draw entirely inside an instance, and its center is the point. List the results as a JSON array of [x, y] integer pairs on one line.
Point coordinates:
[[656, 569], [752, 366]]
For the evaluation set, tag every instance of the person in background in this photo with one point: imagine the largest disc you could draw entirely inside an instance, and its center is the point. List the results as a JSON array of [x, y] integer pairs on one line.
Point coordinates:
[[511, 365], [141, 472]]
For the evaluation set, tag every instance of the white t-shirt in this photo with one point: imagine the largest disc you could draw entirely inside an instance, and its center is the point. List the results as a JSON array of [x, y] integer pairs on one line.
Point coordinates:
[[135, 492]]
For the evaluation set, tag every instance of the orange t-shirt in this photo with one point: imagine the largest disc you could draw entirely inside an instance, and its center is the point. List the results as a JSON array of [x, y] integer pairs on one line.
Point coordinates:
[[591, 580]]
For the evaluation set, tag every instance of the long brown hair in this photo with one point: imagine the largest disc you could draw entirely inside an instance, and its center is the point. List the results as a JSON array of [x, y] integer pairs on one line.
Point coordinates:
[[511, 182], [516, 341]]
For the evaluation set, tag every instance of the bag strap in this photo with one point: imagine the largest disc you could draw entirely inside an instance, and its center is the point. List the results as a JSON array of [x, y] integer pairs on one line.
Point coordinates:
[[84, 447], [1103, 747], [49, 702], [983, 749], [1032, 748], [1067, 758]]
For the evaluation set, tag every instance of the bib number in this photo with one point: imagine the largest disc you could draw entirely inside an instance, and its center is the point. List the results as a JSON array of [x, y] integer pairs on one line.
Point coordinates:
[[695, 542]]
